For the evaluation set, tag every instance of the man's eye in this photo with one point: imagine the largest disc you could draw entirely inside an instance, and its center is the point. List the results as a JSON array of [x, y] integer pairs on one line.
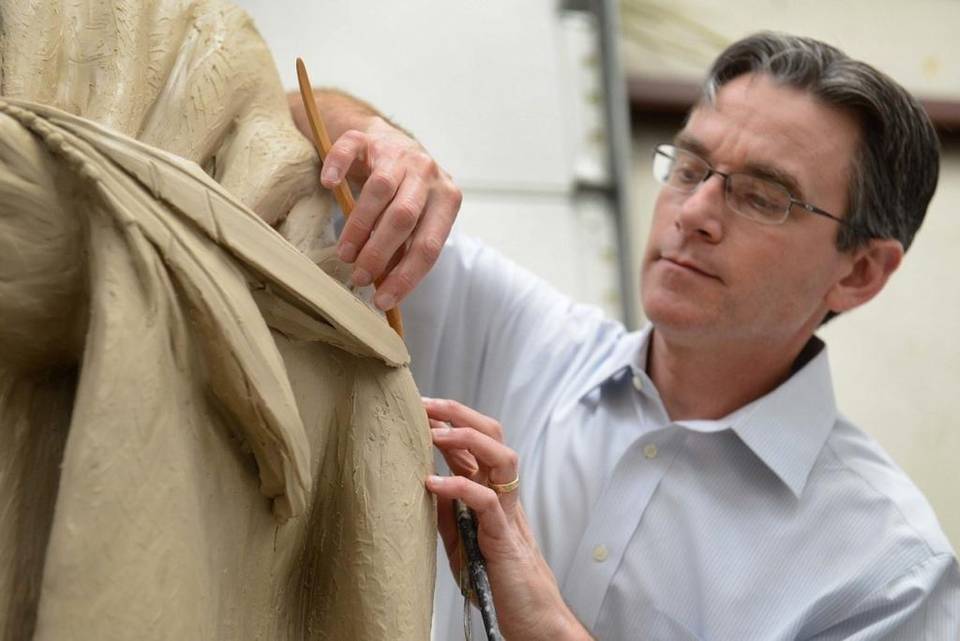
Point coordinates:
[[762, 203], [758, 200], [688, 175]]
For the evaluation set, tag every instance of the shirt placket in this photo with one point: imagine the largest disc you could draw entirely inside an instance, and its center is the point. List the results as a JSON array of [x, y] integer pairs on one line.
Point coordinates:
[[614, 520]]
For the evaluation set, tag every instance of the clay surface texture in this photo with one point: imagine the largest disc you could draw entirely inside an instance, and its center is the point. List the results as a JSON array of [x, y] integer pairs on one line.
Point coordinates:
[[202, 435]]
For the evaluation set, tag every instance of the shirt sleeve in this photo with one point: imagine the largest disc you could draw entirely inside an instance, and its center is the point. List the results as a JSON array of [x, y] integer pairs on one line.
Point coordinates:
[[484, 331], [921, 605]]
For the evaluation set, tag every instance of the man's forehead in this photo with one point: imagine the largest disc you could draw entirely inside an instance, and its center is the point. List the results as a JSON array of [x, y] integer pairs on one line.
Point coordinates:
[[756, 122], [758, 104]]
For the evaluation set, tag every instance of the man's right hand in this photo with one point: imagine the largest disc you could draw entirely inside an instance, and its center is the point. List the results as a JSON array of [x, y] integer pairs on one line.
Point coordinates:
[[407, 203]]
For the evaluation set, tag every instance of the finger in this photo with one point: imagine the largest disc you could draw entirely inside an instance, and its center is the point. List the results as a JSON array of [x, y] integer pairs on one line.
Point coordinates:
[[392, 230], [347, 149], [378, 190], [459, 415], [463, 463], [482, 500], [459, 461], [397, 256], [425, 247], [501, 461]]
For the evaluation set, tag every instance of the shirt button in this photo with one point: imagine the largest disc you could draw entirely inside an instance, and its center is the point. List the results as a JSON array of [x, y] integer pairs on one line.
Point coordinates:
[[600, 553], [637, 383], [650, 450]]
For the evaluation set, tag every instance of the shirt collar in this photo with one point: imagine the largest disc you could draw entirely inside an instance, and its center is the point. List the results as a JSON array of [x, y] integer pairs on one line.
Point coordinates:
[[786, 428], [629, 353]]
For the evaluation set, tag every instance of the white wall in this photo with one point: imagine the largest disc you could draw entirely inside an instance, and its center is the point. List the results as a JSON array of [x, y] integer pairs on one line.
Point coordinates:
[[897, 360]]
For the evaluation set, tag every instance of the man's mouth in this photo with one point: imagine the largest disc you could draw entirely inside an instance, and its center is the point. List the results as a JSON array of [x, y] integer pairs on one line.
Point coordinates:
[[690, 265]]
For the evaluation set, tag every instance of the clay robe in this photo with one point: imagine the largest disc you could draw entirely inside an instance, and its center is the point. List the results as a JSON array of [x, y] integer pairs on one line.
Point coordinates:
[[202, 435]]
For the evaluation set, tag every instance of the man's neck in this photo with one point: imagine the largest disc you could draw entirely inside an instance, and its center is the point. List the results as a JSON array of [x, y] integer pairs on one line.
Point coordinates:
[[697, 382]]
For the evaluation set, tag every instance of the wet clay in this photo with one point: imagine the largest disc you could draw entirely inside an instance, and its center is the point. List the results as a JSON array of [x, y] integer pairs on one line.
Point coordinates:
[[202, 435]]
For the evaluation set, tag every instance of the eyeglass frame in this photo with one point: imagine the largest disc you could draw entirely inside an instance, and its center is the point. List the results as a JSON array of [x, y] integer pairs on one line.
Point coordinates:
[[710, 171]]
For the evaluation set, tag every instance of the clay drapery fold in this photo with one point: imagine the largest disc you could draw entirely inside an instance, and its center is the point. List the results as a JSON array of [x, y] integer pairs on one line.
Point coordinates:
[[202, 435]]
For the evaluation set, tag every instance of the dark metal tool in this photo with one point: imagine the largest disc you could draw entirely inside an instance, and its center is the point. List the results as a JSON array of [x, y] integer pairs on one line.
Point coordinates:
[[477, 567]]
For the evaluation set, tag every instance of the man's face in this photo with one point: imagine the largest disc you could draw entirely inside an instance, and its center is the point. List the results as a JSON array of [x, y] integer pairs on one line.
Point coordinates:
[[710, 274]]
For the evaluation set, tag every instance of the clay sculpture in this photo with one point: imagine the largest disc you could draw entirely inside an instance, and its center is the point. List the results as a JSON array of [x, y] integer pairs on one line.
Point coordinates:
[[202, 435]]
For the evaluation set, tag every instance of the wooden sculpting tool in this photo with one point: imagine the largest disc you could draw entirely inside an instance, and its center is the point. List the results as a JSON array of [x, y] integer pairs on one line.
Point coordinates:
[[342, 191]]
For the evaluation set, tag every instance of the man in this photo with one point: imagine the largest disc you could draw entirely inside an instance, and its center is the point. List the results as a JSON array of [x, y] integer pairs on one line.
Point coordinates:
[[695, 480]]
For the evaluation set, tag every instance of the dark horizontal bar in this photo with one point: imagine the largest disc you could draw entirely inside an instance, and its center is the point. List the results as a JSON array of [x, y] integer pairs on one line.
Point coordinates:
[[665, 97]]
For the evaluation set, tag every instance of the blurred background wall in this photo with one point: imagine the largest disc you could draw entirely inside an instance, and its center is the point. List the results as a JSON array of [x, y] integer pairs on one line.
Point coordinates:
[[511, 98]]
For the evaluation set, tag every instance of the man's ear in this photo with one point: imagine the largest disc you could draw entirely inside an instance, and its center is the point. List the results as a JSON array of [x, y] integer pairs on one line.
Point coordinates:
[[869, 268]]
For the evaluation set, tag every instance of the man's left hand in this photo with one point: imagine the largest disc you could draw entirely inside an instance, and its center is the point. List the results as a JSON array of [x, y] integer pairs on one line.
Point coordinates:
[[525, 592]]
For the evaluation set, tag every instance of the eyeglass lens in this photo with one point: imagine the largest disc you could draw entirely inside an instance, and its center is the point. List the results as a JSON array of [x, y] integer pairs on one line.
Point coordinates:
[[750, 196]]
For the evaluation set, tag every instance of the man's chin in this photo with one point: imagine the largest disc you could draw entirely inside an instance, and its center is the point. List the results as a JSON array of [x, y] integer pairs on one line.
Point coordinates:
[[678, 316]]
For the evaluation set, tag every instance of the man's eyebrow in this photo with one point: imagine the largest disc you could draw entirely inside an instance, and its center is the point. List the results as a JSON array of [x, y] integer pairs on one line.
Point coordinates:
[[687, 142], [776, 175]]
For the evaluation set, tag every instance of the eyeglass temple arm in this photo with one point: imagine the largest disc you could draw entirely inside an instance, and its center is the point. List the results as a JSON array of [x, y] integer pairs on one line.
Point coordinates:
[[816, 210]]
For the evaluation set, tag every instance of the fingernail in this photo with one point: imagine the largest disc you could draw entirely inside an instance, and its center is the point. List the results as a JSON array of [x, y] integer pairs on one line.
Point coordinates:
[[426, 399], [435, 480], [443, 430], [361, 277], [384, 301], [330, 175], [347, 252]]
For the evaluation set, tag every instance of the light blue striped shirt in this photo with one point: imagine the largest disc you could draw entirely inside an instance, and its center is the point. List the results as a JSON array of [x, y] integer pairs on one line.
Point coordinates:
[[781, 521]]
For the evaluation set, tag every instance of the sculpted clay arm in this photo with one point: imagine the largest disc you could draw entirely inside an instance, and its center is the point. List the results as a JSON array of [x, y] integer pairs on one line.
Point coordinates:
[[407, 203]]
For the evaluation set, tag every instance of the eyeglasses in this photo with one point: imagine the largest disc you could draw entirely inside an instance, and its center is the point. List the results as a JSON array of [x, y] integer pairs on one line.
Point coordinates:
[[759, 199]]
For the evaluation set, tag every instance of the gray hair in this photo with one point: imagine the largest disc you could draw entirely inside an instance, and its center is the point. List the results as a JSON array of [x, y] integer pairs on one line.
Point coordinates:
[[895, 171]]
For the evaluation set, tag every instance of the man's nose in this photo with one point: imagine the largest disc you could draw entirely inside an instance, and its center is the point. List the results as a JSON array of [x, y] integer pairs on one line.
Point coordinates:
[[703, 211]]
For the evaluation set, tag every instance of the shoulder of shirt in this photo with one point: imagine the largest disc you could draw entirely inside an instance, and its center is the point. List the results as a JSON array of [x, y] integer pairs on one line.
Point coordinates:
[[851, 450], [575, 348], [581, 322]]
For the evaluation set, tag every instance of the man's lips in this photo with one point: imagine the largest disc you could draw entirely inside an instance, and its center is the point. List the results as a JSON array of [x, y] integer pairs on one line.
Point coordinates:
[[690, 265]]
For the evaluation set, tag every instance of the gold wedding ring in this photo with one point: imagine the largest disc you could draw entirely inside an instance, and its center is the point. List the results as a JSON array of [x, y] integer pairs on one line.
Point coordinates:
[[505, 488]]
